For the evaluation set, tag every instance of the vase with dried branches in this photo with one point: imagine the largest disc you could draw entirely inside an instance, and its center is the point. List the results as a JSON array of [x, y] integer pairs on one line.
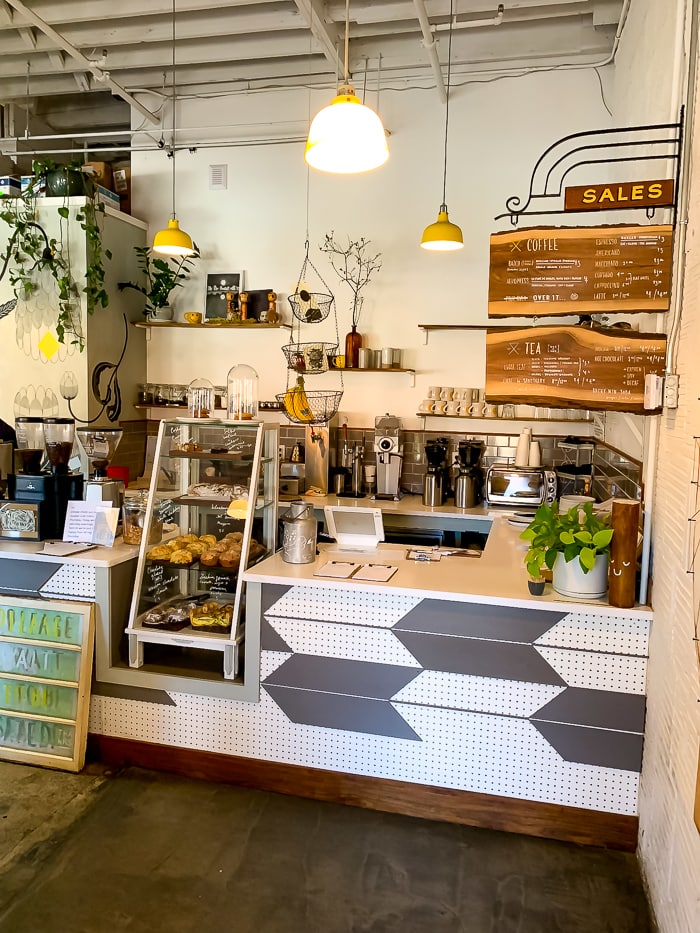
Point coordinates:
[[355, 266]]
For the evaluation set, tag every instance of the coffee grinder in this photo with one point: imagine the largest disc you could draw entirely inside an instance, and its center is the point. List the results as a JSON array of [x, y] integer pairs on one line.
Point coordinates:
[[100, 445], [49, 489], [389, 453], [469, 484], [437, 478]]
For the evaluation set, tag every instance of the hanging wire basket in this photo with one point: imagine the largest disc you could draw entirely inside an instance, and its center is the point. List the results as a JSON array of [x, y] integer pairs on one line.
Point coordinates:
[[312, 407], [310, 307], [314, 357]]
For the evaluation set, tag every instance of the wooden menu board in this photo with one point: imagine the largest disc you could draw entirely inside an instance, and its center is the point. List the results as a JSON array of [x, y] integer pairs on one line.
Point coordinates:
[[45, 669], [572, 367], [580, 270]]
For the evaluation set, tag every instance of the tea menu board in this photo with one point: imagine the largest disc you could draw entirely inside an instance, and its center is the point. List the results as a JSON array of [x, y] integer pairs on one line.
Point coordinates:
[[580, 270], [572, 367], [45, 669]]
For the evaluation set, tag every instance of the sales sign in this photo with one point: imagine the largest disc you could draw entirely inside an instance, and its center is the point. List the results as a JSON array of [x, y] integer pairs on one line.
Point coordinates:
[[580, 270], [620, 195]]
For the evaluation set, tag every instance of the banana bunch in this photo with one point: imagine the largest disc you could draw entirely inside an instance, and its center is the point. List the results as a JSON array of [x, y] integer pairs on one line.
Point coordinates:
[[297, 404]]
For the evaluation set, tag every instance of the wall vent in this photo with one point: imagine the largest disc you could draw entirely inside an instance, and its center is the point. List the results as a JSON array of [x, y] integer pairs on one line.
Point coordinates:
[[218, 177]]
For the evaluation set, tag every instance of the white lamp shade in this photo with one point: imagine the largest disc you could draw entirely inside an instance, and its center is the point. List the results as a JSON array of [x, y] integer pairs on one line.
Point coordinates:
[[172, 241], [346, 137]]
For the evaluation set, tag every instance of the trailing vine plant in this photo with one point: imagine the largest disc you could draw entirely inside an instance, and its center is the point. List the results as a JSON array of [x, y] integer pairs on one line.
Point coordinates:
[[30, 250]]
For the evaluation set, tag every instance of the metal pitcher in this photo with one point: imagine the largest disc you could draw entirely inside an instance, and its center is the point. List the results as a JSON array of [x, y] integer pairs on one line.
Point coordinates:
[[299, 534]]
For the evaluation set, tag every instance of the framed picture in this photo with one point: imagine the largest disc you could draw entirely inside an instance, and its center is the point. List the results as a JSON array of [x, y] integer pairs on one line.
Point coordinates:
[[219, 284]]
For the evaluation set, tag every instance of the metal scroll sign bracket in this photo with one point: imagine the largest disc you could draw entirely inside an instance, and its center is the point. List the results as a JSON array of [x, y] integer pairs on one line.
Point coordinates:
[[632, 144]]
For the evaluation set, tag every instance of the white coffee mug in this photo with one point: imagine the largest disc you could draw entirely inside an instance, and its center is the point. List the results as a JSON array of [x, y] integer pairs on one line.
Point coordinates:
[[434, 391], [439, 407], [452, 407], [464, 409], [489, 411], [447, 393], [426, 405]]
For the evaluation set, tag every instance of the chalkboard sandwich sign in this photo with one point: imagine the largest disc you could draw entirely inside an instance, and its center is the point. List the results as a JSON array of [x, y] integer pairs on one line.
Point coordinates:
[[45, 668], [572, 367], [547, 271]]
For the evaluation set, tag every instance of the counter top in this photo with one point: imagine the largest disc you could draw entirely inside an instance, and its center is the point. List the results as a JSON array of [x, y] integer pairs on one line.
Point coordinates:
[[407, 505], [95, 557], [498, 577]]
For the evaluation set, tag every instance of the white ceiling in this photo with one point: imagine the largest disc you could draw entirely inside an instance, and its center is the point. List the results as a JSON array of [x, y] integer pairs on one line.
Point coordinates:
[[73, 63]]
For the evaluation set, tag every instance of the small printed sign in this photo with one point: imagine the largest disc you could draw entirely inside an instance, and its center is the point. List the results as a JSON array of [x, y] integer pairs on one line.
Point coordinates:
[[90, 522]]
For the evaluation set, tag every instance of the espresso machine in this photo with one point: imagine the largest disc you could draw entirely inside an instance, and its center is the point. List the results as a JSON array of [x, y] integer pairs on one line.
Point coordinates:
[[389, 451], [469, 485], [100, 445], [436, 482], [49, 489]]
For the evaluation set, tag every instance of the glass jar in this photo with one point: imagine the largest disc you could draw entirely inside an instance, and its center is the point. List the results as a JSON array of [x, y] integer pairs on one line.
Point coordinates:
[[145, 394], [220, 396], [161, 394], [200, 398], [134, 517], [242, 393]]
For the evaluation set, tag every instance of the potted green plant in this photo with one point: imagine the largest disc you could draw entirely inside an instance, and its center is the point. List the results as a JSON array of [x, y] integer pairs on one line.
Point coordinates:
[[574, 545], [161, 277]]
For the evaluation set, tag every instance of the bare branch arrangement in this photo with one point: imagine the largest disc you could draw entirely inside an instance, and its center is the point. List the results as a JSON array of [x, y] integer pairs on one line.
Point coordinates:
[[353, 266]]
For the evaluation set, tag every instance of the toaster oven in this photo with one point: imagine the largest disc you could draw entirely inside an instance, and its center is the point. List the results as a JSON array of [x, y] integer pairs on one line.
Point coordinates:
[[520, 486]]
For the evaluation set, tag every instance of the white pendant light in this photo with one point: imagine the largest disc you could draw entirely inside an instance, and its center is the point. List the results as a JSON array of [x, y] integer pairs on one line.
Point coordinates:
[[171, 241], [346, 137], [443, 235]]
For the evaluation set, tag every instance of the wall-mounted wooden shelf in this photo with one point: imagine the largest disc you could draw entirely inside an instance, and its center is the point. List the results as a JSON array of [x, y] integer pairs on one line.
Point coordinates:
[[216, 327], [469, 419]]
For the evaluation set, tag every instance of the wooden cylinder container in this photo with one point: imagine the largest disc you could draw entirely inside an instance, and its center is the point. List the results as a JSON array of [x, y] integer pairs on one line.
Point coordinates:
[[622, 572]]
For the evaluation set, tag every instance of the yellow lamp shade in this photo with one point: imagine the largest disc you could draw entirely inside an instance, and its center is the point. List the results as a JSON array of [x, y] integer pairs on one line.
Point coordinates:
[[172, 241], [346, 137], [442, 235]]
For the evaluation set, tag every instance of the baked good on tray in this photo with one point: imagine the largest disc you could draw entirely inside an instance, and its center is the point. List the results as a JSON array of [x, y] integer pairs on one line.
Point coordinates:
[[224, 491]]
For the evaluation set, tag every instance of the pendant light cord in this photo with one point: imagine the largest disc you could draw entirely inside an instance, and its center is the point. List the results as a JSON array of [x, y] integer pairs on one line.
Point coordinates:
[[174, 99], [447, 107], [347, 39]]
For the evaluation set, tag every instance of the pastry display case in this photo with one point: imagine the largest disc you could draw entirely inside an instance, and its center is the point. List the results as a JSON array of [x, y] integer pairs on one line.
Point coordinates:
[[211, 513]]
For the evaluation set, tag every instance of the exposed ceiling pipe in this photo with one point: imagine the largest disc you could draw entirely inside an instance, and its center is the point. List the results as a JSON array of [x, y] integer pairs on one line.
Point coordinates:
[[100, 74], [430, 47], [473, 23]]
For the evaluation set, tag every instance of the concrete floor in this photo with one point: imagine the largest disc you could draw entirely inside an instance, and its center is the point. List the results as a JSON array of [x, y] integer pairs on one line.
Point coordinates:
[[138, 851]]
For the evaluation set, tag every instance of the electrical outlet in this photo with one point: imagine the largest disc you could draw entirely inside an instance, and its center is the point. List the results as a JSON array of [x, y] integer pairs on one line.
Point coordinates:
[[671, 390]]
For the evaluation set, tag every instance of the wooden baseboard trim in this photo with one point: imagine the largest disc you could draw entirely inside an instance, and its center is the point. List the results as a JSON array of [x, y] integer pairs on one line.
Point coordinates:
[[550, 821]]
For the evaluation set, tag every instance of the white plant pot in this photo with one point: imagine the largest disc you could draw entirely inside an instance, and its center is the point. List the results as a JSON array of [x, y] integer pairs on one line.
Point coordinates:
[[568, 579], [162, 314]]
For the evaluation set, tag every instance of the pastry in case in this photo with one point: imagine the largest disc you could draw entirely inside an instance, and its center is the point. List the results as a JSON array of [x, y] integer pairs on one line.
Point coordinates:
[[212, 616]]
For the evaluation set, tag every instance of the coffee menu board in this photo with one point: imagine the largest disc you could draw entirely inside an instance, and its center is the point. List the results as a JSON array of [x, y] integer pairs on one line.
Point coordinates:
[[45, 668], [572, 367], [580, 270]]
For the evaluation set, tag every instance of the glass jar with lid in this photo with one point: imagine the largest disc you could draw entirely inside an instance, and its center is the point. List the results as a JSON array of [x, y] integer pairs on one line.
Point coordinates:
[[242, 393], [200, 398], [134, 517]]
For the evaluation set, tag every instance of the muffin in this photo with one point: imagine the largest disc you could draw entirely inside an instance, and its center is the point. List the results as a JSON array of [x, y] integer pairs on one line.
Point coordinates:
[[231, 560], [181, 556], [209, 558]]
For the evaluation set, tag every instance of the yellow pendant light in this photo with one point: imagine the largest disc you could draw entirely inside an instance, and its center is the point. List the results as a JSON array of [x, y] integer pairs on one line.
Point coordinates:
[[346, 137], [171, 241], [443, 235]]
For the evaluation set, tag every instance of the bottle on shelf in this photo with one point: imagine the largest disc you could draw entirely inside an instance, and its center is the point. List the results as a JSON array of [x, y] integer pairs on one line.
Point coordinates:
[[353, 342]]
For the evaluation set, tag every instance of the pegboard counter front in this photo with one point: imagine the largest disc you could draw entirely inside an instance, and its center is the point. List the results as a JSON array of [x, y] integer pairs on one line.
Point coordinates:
[[450, 675]]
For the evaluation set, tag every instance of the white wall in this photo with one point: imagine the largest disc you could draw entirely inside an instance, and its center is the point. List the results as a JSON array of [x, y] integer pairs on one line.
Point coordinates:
[[497, 131], [648, 90]]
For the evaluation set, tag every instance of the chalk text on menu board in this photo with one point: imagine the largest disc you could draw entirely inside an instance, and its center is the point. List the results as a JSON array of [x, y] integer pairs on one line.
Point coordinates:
[[580, 270], [572, 367], [162, 581]]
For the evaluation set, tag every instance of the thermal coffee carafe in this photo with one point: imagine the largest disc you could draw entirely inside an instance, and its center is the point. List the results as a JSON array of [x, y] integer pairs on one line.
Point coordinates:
[[469, 484], [387, 446], [437, 478]]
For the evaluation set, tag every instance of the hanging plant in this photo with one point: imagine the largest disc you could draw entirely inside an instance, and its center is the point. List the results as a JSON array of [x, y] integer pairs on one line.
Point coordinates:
[[30, 250]]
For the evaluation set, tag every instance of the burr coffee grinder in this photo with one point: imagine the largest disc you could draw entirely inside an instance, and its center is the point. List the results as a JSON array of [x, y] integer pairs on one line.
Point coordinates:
[[389, 451]]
